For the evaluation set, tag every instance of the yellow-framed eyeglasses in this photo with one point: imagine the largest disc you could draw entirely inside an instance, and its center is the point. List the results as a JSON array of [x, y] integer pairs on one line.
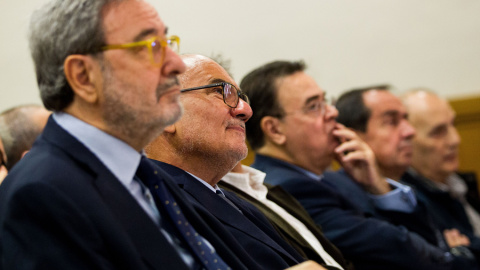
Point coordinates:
[[156, 47]]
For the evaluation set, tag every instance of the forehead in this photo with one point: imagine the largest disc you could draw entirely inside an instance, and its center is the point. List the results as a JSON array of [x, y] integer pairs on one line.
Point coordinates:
[[203, 72], [430, 111], [130, 20], [294, 90], [380, 102]]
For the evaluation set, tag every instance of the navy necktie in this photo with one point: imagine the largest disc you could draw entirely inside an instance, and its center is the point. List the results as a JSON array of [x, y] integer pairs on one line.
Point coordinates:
[[202, 249]]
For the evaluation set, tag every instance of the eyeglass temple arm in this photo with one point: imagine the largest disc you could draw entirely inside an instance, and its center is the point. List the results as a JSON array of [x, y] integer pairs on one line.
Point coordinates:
[[202, 87]]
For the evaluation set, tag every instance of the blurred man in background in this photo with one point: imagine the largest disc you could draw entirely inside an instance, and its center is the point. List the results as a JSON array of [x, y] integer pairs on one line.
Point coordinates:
[[19, 128]]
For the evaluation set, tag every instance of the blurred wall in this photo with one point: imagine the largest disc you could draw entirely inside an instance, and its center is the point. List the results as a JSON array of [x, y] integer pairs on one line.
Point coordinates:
[[346, 43]]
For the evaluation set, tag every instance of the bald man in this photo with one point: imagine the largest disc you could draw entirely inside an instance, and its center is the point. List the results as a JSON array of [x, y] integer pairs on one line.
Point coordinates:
[[19, 127], [434, 162], [202, 147]]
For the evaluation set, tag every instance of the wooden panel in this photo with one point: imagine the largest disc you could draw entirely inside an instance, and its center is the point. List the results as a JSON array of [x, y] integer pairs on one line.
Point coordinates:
[[468, 126], [250, 157]]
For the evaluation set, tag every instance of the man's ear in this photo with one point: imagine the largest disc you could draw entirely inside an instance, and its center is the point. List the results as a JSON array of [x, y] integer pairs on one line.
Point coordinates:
[[273, 130], [170, 129], [360, 134], [24, 153], [84, 75]]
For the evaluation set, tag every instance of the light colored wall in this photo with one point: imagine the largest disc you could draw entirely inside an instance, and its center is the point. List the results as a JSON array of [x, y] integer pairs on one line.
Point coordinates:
[[346, 43]]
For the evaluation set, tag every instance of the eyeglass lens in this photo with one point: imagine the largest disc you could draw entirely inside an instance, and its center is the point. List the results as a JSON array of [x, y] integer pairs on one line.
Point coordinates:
[[230, 95], [158, 48]]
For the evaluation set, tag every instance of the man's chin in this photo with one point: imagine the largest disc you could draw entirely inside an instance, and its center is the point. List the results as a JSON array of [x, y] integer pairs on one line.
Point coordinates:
[[174, 114]]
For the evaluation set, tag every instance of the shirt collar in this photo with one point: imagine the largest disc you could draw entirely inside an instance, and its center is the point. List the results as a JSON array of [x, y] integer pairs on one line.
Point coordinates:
[[310, 174], [214, 189], [249, 181], [119, 157]]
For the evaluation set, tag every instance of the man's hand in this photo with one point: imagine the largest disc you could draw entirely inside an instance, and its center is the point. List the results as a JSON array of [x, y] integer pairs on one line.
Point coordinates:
[[454, 238], [358, 160], [308, 265]]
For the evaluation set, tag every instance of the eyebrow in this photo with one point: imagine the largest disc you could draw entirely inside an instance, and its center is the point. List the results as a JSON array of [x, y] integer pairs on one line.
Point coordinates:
[[395, 113], [315, 97], [216, 80], [141, 36]]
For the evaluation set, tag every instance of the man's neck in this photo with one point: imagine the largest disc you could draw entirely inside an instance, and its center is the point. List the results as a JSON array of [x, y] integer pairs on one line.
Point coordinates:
[[210, 172], [435, 177], [93, 117], [392, 173], [282, 155]]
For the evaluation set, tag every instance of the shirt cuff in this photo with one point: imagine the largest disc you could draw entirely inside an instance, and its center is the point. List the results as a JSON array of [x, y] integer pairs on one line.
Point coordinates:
[[401, 198]]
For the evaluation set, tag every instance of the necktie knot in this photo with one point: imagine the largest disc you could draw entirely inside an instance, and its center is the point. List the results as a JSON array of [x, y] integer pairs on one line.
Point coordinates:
[[145, 172]]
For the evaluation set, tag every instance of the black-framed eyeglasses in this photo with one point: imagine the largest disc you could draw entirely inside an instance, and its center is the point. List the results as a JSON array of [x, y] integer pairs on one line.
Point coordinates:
[[230, 93]]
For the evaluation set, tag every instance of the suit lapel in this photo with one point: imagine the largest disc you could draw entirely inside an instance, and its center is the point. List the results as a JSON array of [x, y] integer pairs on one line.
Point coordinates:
[[200, 226], [138, 227], [283, 225], [219, 208], [289, 203]]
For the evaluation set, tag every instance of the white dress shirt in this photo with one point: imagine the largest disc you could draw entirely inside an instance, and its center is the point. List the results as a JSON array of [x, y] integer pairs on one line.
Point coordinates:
[[251, 182]]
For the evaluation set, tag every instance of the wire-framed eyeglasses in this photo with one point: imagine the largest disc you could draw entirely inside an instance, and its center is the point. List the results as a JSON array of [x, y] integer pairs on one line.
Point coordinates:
[[156, 47], [230, 93]]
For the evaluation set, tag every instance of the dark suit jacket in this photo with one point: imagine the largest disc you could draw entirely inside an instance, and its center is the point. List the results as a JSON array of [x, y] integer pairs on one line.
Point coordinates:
[[419, 221], [251, 229], [368, 242], [61, 208], [283, 199], [448, 212]]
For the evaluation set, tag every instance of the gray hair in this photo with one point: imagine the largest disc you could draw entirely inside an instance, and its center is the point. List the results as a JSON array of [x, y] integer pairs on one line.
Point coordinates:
[[57, 30], [18, 131]]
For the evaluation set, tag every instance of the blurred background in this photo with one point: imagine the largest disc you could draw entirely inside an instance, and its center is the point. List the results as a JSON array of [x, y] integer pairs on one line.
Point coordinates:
[[345, 43]]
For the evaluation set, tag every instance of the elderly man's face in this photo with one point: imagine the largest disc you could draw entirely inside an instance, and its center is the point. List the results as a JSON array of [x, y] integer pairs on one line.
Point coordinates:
[[308, 132], [437, 141], [210, 128], [388, 133], [136, 94]]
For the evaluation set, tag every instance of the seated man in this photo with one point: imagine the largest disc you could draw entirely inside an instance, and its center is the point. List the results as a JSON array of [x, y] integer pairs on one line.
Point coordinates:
[[434, 162], [76, 200], [380, 119], [19, 127], [295, 136], [285, 213], [203, 146]]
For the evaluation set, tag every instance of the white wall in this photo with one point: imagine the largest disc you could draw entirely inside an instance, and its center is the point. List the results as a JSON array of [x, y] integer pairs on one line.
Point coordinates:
[[346, 43]]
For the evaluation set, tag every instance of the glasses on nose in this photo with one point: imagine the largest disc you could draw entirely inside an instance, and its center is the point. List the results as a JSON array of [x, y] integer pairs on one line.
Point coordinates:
[[156, 47], [231, 95], [315, 108]]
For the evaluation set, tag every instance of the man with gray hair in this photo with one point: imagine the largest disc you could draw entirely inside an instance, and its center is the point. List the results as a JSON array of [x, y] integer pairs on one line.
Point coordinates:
[[85, 196], [19, 127]]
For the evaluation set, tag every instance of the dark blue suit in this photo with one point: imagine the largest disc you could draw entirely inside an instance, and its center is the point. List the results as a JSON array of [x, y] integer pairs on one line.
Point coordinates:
[[447, 212], [369, 243], [61, 208], [419, 221], [250, 230]]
